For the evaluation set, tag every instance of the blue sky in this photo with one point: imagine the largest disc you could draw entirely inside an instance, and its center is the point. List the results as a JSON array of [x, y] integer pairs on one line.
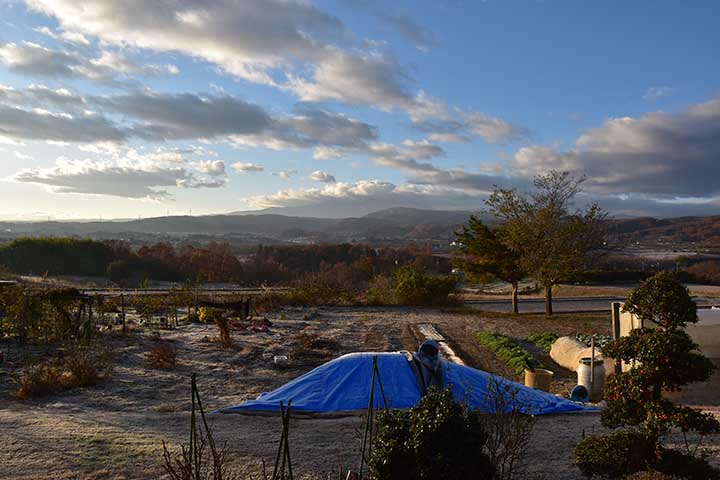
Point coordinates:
[[341, 107]]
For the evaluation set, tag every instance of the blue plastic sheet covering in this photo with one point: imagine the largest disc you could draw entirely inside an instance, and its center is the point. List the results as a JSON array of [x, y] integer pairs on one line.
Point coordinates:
[[488, 393], [343, 385]]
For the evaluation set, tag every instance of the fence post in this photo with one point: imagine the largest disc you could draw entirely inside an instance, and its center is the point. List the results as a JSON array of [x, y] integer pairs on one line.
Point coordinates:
[[122, 312], [615, 320], [616, 331]]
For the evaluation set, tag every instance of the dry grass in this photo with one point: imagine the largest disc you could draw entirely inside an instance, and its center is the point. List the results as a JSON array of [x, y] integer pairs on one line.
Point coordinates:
[[162, 355], [313, 347], [82, 368]]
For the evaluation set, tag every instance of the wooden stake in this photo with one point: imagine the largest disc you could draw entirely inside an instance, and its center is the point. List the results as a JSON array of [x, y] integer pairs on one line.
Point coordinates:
[[592, 364], [122, 312]]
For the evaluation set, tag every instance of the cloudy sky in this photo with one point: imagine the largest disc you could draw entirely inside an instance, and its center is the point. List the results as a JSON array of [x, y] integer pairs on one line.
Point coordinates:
[[141, 108]]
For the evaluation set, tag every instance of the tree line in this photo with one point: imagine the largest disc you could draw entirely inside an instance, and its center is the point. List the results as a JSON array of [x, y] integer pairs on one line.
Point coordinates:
[[212, 262]]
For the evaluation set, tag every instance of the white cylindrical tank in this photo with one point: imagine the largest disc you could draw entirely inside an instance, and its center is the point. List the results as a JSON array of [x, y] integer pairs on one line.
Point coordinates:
[[586, 378], [567, 352]]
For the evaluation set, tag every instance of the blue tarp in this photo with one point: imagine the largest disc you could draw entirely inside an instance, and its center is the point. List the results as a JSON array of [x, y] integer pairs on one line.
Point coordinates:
[[343, 385]]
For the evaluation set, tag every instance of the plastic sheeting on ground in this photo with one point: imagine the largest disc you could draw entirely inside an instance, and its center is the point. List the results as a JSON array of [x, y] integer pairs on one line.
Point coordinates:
[[343, 385]]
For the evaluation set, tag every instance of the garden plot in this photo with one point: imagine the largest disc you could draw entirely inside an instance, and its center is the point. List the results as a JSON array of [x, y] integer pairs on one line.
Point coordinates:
[[116, 428]]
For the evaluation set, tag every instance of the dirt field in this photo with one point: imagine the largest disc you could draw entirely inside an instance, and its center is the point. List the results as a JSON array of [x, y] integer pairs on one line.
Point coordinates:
[[115, 429]]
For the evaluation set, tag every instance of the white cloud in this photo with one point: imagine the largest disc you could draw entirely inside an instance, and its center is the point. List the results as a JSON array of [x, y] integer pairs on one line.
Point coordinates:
[[211, 167], [421, 37], [42, 96], [166, 116], [660, 155], [111, 68], [355, 79], [328, 153], [443, 123], [289, 44], [33, 59], [108, 178], [39, 124], [247, 39], [126, 173], [320, 176], [655, 93], [310, 128], [247, 167], [64, 36], [343, 199], [285, 173], [21, 156]]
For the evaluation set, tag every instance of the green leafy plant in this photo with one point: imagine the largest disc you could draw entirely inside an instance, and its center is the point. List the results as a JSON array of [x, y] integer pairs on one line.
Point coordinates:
[[543, 340], [509, 352], [439, 438], [600, 339]]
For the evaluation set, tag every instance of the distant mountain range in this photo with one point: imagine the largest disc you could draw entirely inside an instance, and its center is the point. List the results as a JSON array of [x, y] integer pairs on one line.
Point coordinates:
[[392, 225]]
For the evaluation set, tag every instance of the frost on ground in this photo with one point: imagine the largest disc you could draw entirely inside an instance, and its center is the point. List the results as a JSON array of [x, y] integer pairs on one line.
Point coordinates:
[[115, 430]]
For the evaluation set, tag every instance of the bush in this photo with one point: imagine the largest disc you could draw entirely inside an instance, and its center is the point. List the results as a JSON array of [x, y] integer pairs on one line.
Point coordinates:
[[509, 352], [40, 380], [663, 359], [331, 286], [83, 367], [685, 466], [543, 340], [615, 455], [666, 361], [380, 291], [508, 429], [223, 324], [437, 439], [415, 287], [118, 270], [163, 355], [88, 367]]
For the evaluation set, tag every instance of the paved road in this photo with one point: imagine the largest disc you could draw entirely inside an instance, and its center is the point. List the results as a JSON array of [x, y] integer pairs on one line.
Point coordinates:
[[538, 304], [569, 304]]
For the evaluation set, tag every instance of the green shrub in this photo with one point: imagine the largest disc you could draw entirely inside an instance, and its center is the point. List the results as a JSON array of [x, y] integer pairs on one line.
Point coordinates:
[[437, 439], [416, 287], [666, 361], [509, 352], [663, 359], [615, 455], [685, 466], [543, 340]]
